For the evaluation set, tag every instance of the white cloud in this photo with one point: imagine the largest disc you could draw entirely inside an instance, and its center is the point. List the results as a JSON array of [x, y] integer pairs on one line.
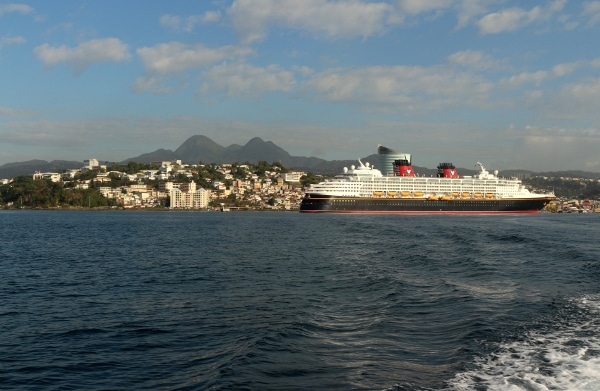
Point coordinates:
[[402, 88], [419, 6], [7, 8], [10, 111], [58, 139], [347, 19], [561, 70], [554, 148], [171, 21], [508, 20], [303, 70], [595, 63], [575, 103], [402, 9], [211, 17], [475, 60], [246, 80], [469, 10], [176, 57], [158, 84], [515, 18], [187, 24], [591, 10], [329, 18], [557, 6], [6, 41], [537, 77], [167, 63], [585, 93], [85, 54], [525, 78]]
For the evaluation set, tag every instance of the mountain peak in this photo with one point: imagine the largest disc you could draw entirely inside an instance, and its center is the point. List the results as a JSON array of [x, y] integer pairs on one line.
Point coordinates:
[[255, 140], [199, 148], [194, 150], [257, 149]]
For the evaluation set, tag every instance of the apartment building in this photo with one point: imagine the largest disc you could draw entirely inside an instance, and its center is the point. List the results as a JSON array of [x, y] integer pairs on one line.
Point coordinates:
[[293, 176], [53, 176], [188, 197]]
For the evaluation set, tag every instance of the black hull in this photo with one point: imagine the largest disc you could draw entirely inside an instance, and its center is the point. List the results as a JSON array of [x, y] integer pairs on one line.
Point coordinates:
[[323, 204]]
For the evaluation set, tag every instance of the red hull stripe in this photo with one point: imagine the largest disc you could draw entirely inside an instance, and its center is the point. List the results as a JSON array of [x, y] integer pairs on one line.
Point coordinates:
[[441, 212]]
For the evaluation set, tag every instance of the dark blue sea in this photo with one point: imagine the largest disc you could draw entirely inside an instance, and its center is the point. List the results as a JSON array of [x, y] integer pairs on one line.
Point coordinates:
[[113, 300]]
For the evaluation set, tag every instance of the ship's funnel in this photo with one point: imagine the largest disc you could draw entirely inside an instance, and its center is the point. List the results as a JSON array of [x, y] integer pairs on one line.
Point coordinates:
[[447, 170], [386, 157], [402, 167]]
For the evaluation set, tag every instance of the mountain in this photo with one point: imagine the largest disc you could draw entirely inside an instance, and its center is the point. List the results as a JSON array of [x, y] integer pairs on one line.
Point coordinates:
[[200, 148], [194, 150], [156, 156], [256, 149], [10, 170]]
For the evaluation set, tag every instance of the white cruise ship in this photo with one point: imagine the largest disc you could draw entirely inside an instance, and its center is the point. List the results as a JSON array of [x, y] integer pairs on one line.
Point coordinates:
[[364, 189]]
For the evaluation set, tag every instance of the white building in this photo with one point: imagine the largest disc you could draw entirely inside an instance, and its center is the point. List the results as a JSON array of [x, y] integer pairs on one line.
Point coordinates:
[[69, 174], [293, 176], [53, 176], [188, 197], [91, 163], [386, 158], [106, 191], [139, 188], [165, 186]]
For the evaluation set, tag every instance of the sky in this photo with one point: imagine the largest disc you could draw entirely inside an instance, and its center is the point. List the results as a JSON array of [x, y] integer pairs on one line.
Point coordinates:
[[512, 84]]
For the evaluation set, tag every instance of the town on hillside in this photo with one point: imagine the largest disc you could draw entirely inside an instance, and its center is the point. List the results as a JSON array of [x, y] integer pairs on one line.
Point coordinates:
[[165, 184], [221, 187]]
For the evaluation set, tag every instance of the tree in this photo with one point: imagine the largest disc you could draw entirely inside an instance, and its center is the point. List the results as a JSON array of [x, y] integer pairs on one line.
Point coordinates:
[[310, 179], [261, 168], [238, 172], [89, 174], [19, 190], [182, 178], [43, 193], [280, 167]]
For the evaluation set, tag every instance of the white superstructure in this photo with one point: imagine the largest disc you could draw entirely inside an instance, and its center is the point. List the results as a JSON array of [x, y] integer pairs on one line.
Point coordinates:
[[367, 181]]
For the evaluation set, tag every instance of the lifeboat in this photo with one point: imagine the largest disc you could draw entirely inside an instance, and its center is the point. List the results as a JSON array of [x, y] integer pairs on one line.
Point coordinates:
[[391, 193], [489, 195], [446, 197], [418, 194], [478, 195], [466, 194], [455, 194], [405, 193], [377, 193], [433, 197]]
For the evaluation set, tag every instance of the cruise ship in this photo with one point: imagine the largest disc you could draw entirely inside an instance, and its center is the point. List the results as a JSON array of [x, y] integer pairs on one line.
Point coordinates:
[[364, 189]]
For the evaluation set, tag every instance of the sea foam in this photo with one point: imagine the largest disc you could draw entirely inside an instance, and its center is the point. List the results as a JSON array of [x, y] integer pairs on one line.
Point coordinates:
[[565, 356]]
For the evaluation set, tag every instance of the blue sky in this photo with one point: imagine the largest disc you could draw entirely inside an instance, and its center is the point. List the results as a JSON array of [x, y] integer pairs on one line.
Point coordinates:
[[514, 84]]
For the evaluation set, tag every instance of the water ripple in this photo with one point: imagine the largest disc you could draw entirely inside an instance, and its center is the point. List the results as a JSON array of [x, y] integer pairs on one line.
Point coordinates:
[[278, 301]]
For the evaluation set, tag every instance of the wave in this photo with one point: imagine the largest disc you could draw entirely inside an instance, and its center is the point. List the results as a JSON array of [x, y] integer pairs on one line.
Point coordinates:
[[563, 354]]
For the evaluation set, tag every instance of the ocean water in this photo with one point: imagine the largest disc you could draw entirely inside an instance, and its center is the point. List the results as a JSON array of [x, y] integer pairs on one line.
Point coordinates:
[[287, 301]]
